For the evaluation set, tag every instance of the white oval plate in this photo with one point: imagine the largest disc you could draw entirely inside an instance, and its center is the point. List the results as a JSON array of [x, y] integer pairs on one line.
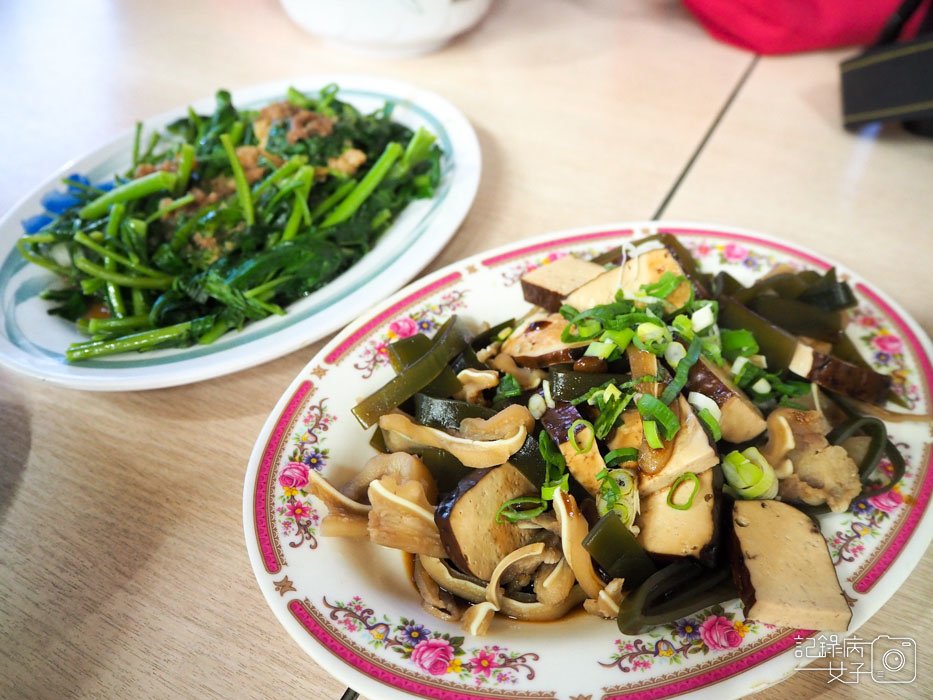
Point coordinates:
[[350, 605], [33, 343]]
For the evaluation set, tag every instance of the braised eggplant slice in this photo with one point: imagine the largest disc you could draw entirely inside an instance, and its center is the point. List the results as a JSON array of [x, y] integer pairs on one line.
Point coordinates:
[[547, 286], [466, 519], [741, 420], [783, 570]]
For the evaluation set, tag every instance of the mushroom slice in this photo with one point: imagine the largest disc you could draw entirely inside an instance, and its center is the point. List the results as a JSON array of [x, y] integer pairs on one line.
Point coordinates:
[[606, 604], [434, 599], [401, 518], [345, 517], [403, 466], [574, 529], [500, 426], [527, 378], [403, 434], [538, 343], [553, 582], [477, 618], [545, 521], [474, 382], [520, 610], [493, 591]]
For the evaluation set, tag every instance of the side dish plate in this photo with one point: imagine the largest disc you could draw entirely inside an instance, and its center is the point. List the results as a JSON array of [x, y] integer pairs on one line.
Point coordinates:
[[352, 608], [33, 343]]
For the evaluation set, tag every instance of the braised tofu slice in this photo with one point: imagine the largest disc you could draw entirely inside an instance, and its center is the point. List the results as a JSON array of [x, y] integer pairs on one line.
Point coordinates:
[[537, 343], [648, 268], [600, 290], [783, 570], [547, 286], [741, 420], [583, 466], [670, 531], [691, 451], [466, 519]]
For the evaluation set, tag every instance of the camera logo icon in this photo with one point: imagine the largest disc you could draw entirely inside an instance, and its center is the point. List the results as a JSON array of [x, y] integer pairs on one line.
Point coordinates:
[[893, 659]]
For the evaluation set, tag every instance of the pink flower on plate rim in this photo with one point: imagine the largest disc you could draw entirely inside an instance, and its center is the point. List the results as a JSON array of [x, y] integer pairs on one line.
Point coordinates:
[[403, 327], [299, 510], [483, 662], [718, 633], [890, 344], [888, 502], [735, 252], [703, 249], [433, 655], [294, 475]]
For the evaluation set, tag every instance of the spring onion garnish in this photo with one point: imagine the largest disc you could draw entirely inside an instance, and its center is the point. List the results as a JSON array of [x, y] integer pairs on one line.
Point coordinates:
[[683, 326], [683, 478], [703, 318], [572, 435], [508, 387], [586, 330], [683, 372], [522, 508], [651, 337], [664, 287], [650, 429], [738, 366], [652, 409], [702, 401], [549, 488], [600, 349], [762, 386], [674, 353], [618, 491], [504, 333], [738, 343], [548, 399], [621, 456], [620, 339], [712, 424], [749, 475], [550, 453]]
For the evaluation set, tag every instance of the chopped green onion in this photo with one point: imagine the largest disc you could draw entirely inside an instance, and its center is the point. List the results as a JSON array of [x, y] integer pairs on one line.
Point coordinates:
[[738, 343], [701, 401], [548, 399], [683, 326], [683, 478], [749, 475], [738, 365], [621, 456], [683, 372], [550, 453], [572, 435], [504, 333], [709, 420], [548, 489], [674, 353], [650, 429], [609, 413], [762, 386], [654, 409], [702, 318], [508, 387], [522, 508], [600, 349], [665, 286], [620, 339], [586, 330]]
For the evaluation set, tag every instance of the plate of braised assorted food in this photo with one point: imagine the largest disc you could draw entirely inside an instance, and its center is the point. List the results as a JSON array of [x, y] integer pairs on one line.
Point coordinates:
[[231, 232], [641, 460]]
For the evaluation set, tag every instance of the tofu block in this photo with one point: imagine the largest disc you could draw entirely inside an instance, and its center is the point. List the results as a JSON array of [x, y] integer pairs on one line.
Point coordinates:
[[547, 286], [783, 570]]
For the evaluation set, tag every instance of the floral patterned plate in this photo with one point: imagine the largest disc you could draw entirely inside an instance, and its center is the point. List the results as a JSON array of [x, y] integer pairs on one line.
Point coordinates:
[[352, 607], [33, 343]]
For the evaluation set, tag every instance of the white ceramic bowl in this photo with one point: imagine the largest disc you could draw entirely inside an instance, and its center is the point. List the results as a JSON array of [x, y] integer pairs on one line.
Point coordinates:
[[387, 27]]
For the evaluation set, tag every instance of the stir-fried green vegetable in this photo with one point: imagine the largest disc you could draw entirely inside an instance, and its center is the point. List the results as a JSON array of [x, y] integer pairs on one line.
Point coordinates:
[[228, 218]]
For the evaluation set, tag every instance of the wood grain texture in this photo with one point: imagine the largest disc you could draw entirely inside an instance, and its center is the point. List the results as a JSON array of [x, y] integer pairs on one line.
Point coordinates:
[[123, 571]]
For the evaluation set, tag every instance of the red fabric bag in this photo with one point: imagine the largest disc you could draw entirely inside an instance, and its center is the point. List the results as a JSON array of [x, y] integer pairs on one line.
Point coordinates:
[[790, 26]]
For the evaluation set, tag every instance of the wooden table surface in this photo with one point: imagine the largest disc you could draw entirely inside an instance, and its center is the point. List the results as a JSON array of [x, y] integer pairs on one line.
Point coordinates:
[[123, 571]]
